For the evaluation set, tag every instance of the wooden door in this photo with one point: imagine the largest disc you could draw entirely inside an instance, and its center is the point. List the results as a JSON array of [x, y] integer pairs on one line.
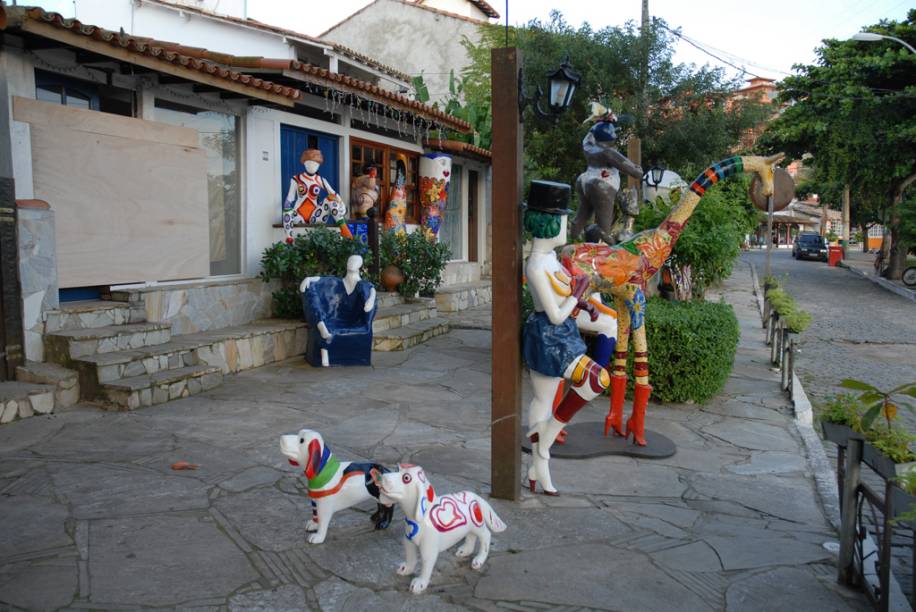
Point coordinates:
[[473, 214]]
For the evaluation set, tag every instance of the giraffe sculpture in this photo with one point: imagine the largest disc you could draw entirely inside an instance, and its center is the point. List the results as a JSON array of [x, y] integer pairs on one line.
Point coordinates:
[[623, 270]]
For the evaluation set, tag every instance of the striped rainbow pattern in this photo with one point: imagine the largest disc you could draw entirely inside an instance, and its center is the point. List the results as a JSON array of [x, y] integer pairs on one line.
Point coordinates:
[[715, 173]]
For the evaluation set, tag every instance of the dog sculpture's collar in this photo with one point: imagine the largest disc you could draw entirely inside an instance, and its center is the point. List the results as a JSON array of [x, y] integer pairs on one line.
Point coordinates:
[[326, 474]]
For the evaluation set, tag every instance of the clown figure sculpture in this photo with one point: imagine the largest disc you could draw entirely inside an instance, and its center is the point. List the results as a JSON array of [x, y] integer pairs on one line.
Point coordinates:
[[552, 347], [302, 204]]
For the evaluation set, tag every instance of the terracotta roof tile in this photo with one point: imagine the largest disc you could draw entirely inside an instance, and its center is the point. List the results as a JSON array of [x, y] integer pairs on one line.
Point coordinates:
[[260, 25], [458, 148], [159, 50], [222, 64]]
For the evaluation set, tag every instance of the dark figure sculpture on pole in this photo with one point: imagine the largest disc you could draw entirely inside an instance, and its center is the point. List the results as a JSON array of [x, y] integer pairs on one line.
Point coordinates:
[[599, 185]]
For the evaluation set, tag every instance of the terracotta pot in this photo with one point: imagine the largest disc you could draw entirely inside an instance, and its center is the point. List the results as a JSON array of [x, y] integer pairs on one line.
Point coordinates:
[[392, 277]]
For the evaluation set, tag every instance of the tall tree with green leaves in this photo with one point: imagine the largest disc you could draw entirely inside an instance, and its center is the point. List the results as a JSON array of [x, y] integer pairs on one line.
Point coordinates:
[[686, 126], [853, 112]]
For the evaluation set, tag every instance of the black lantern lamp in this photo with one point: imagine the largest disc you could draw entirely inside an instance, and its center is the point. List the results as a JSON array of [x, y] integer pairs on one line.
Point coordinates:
[[563, 83], [653, 177], [561, 86]]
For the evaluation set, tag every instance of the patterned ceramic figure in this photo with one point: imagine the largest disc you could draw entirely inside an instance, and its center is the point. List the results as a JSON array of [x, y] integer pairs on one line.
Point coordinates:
[[597, 187], [434, 523], [396, 215], [333, 485], [364, 193], [623, 270], [340, 312], [303, 202], [435, 170], [552, 347]]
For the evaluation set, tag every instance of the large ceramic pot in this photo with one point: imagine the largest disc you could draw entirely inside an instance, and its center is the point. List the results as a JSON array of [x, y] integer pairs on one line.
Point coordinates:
[[392, 277]]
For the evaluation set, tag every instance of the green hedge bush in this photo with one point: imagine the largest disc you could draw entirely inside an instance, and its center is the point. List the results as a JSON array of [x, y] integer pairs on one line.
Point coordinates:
[[691, 349], [320, 251]]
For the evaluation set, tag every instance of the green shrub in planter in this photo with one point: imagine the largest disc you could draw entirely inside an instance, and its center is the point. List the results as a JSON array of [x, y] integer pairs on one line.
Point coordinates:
[[420, 259], [691, 349], [320, 251]]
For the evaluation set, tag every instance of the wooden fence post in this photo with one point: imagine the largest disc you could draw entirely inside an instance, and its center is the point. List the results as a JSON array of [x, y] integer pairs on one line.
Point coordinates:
[[845, 564]]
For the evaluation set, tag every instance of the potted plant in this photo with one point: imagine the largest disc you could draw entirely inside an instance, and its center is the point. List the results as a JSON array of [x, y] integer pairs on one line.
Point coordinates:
[[392, 252]]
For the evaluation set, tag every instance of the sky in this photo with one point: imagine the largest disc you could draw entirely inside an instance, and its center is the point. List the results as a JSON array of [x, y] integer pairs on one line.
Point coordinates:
[[765, 38]]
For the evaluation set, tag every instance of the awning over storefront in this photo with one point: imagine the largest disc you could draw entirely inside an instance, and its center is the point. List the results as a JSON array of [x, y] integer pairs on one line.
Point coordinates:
[[456, 147]]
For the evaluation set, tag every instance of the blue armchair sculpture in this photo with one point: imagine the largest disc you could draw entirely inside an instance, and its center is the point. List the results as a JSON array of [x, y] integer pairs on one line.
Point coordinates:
[[340, 312]]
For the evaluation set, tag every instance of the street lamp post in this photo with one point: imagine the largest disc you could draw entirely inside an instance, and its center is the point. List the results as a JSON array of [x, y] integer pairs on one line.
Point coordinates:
[[872, 37]]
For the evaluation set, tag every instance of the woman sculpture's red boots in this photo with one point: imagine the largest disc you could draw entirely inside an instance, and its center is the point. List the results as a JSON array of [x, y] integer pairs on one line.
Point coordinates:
[[637, 421], [614, 418]]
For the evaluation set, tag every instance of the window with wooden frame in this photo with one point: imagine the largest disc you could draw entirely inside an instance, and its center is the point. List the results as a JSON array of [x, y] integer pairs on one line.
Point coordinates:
[[364, 153]]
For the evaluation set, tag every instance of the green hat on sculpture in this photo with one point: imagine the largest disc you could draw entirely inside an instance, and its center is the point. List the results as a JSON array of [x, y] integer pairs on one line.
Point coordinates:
[[548, 197]]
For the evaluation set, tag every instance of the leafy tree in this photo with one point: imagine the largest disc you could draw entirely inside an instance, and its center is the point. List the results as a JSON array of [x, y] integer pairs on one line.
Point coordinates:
[[687, 125], [853, 113]]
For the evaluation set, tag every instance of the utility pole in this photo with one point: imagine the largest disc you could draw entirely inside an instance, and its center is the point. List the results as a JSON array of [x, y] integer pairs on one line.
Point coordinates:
[[634, 145], [845, 216]]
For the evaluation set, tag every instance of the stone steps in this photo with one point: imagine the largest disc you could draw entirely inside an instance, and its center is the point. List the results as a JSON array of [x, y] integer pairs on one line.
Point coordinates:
[[160, 387], [66, 345], [407, 336], [384, 299], [392, 317], [64, 381], [20, 400], [89, 314], [454, 298], [231, 349]]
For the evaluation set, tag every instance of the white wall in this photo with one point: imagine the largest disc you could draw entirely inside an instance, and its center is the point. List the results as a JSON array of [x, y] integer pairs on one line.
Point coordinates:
[[20, 77], [459, 7], [187, 28], [411, 39]]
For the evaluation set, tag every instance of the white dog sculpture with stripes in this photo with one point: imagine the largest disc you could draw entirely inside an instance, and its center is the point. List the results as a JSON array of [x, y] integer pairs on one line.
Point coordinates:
[[435, 523], [333, 485]]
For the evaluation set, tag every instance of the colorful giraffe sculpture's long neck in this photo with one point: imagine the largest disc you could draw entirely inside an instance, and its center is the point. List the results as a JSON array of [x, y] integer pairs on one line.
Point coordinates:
[[676, 220]]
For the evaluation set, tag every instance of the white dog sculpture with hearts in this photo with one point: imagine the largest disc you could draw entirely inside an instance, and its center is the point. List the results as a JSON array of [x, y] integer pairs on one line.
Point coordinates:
[[435, 523]]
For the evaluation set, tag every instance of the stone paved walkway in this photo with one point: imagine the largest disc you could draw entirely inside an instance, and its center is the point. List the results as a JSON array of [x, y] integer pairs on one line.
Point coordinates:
[[93, 517]]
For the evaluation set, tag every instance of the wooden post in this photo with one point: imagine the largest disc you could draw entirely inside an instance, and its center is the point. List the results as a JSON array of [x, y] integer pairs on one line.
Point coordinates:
[[505, 419], [846, 570]]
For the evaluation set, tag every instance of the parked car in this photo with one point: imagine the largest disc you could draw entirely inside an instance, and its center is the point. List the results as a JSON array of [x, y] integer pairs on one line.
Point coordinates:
[[809, 245]]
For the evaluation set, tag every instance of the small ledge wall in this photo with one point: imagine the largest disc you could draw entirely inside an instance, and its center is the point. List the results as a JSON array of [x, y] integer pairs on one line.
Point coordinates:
[[202, 306]]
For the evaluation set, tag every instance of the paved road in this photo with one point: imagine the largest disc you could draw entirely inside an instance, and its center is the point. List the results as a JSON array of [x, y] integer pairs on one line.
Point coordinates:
[[859, 331]]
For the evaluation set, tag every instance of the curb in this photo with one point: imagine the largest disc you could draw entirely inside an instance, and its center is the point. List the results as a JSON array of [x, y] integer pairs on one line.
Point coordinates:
[[882, 282], [825, 478]]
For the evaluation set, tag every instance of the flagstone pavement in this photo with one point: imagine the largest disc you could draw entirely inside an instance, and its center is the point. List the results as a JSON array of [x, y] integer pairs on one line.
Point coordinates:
[[94, 518]]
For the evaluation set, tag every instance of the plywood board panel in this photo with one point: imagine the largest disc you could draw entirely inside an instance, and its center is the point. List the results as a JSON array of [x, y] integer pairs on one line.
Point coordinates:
[[48, 115], [127, 210]]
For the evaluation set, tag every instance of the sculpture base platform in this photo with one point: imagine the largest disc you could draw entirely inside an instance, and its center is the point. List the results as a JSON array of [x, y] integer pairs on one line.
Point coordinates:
[[586, 440]]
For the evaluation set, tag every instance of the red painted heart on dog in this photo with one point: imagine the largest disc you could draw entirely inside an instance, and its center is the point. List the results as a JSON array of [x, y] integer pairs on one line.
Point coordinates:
[[446, 515]]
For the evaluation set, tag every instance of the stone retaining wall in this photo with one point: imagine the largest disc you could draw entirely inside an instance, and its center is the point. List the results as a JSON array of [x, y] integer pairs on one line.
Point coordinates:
[[37, 272], [203, 306]]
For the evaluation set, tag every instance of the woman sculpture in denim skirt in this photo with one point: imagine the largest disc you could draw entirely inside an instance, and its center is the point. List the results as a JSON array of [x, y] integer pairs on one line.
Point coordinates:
[[552, 347]]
